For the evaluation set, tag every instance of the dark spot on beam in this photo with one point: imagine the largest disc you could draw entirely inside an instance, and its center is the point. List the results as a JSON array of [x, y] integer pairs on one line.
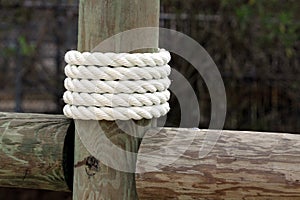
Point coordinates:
[[92, 165], [26, 173]]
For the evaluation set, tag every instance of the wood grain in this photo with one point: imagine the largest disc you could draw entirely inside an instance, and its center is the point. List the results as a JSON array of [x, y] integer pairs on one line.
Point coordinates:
[[241, 165], [32, 151], [99, 20]]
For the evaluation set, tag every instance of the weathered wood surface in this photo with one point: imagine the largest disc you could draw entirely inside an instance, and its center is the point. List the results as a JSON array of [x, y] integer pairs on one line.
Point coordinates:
[[99, 20], [242, 165], [32, 151], [35, 154]]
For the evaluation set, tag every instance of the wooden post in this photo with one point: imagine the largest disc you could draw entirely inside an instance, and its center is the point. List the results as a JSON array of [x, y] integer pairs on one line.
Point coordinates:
[[99, 20], [241, 165], [35, 151]]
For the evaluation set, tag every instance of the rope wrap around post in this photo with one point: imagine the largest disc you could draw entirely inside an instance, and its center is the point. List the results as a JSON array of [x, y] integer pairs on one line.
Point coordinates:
[[97, 106]]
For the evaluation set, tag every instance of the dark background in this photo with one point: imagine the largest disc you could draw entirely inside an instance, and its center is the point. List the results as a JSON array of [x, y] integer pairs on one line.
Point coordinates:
[[254, 43]]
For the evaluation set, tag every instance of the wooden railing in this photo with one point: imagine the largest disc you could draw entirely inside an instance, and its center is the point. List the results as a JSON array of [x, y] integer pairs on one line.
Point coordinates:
[[37, 152]]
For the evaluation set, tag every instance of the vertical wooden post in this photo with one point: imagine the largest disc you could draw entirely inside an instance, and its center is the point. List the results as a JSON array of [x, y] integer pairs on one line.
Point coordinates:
[[99, 20]]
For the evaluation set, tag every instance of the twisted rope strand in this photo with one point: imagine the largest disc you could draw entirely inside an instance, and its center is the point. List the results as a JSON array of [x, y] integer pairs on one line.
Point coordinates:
[[116, 113], [117, 73], [115, 87], [118, 59], [116, 100]]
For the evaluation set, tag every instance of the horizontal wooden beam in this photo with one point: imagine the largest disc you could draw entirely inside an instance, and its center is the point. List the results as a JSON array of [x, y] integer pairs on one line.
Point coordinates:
[[241, 165], [36, 151]]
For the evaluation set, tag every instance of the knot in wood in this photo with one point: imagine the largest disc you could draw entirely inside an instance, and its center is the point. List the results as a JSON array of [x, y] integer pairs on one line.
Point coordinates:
[[92, 163]]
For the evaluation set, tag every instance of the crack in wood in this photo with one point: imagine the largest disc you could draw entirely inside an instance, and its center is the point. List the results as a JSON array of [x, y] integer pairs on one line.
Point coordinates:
[[26, 173]]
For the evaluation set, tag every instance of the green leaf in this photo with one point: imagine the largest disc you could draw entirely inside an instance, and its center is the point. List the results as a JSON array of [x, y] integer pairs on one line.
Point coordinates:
[[26, 49]]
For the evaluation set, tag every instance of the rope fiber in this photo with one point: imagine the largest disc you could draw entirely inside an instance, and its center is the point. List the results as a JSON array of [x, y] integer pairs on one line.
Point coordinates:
[[111, 86]]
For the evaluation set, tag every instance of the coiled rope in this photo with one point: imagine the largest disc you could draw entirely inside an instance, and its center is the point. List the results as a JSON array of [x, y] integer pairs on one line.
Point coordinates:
[[111, 86], [118, 59]]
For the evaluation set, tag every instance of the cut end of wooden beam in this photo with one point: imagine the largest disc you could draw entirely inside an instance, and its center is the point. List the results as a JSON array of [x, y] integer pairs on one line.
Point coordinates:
[[31, 151]]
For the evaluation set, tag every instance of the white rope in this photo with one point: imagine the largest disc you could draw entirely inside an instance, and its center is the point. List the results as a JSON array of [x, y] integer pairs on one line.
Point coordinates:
[[111, 86], [117, 73], [120, 113], [118, 59], [115, 87], [116, 100]]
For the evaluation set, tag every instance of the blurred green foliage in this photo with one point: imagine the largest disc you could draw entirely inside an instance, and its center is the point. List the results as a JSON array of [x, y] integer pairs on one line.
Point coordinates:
[[255, 44], [268, 20], [26, 49], [273, 21]]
